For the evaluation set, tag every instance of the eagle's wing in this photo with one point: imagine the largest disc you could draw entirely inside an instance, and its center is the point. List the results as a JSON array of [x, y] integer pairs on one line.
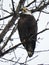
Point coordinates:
[[27, 27]]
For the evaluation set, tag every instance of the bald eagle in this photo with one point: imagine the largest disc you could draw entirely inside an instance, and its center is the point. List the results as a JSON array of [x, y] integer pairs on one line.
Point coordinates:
[[27, 27]]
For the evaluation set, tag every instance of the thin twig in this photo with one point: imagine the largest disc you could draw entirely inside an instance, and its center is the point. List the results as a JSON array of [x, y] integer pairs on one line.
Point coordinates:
[[6, 17], [30, 4], [9, 60], [45, 12], [40, 8], [41, 51], [5, 11], [38, 16], [43, 30], [40, 3], [13, 6]]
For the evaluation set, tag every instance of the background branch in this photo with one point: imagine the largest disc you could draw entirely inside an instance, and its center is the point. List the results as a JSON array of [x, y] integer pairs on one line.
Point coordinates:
[[7, 16], [13, 6], [40, 8], [14, 47], [11, 23]]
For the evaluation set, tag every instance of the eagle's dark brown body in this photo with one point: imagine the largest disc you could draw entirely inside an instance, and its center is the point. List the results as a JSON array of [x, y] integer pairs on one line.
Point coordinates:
[[27, 26]]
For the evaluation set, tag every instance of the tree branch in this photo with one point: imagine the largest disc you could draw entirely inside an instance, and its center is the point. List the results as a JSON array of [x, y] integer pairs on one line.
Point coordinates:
[[13, 6], [23, 42], [5, 43], [7, 51], [43, 30], [11, 23], [30, 3], [7, 16], [40, 8]]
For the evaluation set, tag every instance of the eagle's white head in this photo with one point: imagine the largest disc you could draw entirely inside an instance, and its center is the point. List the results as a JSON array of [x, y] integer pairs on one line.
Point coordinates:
[[26, 11]]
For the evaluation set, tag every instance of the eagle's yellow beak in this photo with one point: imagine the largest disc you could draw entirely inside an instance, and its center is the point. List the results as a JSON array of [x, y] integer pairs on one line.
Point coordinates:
[[24, 9]]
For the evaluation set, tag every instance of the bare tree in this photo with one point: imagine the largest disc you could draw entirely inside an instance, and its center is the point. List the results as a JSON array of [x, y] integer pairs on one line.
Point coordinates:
[[37, 6]]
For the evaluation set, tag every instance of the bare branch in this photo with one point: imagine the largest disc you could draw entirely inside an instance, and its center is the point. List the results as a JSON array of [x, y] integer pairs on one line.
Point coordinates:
[[42, 51], [38, 33], [40, 8], [2, 54], [40, 3], [43, 30], [38, 16], [5, 43], [11, 23], [6, 29], [7, 51], [11, 60], [6, 16], [13, 6], [5, 11], [30, 3], [45, 12]]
